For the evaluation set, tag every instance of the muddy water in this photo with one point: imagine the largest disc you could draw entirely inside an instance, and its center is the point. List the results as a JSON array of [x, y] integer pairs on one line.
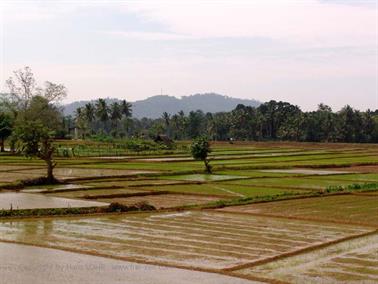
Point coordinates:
[[32, 201], [28, 264]]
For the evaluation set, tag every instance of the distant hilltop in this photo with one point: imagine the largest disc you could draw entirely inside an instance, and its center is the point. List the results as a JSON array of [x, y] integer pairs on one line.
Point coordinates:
[[153, 107]]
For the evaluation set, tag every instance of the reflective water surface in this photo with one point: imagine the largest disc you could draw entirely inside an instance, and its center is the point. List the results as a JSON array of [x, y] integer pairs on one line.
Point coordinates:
[[28, 264], [18, 200]]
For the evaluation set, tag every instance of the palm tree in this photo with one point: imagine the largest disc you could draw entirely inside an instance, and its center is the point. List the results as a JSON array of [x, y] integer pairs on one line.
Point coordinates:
[[89, 114], [102, 112], [115, 116], [80, 123], [166, 117], [182, 123], [175, 126], [126, 109]]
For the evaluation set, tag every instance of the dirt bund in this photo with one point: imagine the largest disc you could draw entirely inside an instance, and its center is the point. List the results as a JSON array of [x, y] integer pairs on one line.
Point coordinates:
[[360, 169]]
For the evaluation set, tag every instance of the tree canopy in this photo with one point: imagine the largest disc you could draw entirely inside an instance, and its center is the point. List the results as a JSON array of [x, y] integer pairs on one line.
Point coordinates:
[[200, 149], [37, 118]]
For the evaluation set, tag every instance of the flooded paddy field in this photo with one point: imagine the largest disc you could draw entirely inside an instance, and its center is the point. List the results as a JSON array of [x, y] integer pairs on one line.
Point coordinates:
[[54, 188], [354, 261], [29, 264], [17, 200], [192, 239], [94, 192], [249, 233]]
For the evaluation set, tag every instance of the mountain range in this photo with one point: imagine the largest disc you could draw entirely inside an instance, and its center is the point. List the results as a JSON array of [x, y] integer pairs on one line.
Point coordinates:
[[154, 106]]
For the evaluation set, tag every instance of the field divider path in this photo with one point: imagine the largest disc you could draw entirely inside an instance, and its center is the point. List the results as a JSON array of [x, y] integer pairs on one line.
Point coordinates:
[[226, 190]]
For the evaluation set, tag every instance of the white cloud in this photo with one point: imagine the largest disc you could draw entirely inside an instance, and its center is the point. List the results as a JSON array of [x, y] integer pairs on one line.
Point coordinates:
[[305, 22], [319, 52], [149, 35], [29, 11]]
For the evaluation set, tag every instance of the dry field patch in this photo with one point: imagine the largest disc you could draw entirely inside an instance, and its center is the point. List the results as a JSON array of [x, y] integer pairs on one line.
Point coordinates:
[[354, 209], [360, 169]]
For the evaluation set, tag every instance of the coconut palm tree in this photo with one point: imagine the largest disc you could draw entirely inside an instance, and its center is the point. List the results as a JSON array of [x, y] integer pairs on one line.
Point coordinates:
[[126, 109], [115, 116], [102, 113]]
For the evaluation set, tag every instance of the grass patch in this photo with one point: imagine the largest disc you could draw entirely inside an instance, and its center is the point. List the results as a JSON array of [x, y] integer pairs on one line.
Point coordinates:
[[203, 177], [298, 182]]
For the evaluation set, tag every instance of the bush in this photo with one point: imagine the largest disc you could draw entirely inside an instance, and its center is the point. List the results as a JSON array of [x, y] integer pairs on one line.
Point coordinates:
[[140, 206], [353, 187]]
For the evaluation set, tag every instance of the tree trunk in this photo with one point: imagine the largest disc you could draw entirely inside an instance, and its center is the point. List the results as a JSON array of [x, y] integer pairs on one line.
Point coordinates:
[[50, 168], [2, 145], [207, 166]]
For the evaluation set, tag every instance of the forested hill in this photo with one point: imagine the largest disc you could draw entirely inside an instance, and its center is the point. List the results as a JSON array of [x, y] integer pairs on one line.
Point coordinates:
[[153, 107]]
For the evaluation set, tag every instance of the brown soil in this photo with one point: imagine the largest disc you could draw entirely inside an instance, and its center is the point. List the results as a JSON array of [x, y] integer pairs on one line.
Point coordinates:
[[343, 209], [360, 169]]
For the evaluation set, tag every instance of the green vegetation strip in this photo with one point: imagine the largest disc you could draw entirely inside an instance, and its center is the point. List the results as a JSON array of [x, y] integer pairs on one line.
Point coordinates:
[[353, 187], [113, 207]]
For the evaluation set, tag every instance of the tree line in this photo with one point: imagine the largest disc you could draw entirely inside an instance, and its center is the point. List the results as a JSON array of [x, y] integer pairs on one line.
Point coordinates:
[[31, 118], [270, 121]]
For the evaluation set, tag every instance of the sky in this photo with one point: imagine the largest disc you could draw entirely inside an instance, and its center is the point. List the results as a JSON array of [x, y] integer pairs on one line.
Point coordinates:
[[305, 52]]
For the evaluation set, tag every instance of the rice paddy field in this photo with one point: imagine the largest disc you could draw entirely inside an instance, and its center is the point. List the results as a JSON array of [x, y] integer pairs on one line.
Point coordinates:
[[269, 213]]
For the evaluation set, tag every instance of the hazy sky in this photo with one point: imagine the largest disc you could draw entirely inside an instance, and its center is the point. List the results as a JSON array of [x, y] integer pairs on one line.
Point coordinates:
[[301, 51]]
